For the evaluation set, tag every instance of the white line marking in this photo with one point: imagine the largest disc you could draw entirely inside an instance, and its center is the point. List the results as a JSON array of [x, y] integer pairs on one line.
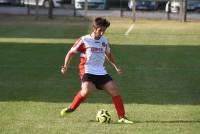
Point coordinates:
[[129, 30]]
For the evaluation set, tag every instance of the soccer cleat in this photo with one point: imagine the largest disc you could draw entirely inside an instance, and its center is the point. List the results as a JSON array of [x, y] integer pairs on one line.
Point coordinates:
[[65, 111], [125, 120]]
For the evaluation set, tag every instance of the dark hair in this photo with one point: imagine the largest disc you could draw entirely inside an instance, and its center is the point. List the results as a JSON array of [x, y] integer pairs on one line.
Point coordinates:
[[101, 22]]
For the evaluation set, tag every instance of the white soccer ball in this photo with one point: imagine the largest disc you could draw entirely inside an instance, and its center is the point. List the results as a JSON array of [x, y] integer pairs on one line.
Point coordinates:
[[103, 116]]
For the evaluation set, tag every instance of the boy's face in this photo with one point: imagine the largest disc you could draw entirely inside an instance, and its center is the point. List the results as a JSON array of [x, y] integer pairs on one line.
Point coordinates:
[[99, 31]]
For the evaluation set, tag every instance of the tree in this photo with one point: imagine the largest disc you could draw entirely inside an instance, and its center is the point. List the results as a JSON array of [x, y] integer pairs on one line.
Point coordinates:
[[134, 10], [37, 10], [183, 10], [50, 9]]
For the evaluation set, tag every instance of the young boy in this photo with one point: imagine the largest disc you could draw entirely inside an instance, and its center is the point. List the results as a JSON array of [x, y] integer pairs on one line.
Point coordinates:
[[93, 49]]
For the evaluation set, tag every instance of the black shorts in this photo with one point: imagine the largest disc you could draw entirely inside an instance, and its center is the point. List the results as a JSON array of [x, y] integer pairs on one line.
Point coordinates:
[[97, 80]]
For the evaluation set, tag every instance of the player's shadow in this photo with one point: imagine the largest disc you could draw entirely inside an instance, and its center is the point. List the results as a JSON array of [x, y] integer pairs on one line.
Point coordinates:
[[152, 74], [71, 28], [168, 122], [154, 122]]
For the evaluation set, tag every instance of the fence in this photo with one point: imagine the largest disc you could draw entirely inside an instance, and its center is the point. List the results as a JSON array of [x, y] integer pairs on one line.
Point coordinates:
[[148, 9]]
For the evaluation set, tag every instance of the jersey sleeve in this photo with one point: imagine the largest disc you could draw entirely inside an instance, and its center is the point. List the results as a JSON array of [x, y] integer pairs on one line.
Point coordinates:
[[78, 46]]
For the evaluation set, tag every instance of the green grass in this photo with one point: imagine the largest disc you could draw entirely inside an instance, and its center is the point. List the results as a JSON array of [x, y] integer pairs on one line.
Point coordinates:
[[160, 86]]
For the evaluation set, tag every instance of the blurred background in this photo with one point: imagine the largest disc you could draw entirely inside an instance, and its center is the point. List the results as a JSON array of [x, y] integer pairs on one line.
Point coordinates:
[[158, 53], [148, 9]]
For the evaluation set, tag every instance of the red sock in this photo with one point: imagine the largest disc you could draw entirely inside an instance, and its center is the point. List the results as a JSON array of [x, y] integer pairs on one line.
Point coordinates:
[[119, 106], [77, 101]]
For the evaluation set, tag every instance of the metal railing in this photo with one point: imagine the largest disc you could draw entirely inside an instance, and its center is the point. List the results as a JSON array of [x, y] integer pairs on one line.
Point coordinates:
[[148, 9]]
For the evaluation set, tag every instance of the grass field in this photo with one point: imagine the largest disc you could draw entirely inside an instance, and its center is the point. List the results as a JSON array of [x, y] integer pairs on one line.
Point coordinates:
[[160, 86]]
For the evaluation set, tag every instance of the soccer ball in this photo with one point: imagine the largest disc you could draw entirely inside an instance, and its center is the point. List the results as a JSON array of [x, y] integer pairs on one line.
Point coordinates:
[[103, 116]]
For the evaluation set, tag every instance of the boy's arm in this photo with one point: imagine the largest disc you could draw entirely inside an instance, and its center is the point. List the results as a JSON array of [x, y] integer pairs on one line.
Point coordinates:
[[77, 47], [68, 58], [111, 59]]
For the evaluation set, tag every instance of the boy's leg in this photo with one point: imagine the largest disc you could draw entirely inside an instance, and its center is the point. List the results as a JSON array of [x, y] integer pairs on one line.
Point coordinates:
[[111, 88], [80, 97], [119, 106], [77, 101], [86, 89]]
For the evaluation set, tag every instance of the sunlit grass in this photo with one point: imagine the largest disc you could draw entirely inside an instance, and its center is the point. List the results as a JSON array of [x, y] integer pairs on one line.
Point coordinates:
[[160, 84], [37, 40]]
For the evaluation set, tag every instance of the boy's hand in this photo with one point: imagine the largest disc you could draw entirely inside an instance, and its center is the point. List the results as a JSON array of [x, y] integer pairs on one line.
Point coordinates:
[[119, 70], [63, 70]]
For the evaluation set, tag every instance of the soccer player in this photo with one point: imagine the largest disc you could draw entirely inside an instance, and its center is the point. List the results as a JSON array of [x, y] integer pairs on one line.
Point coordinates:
[[93, 49]]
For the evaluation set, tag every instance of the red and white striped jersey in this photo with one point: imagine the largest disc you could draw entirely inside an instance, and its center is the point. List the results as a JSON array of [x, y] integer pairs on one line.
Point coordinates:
[[92, 54]]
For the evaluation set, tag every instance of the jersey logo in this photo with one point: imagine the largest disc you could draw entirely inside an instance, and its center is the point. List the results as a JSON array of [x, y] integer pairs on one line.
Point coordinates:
[[96, 50], [103, 44]]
